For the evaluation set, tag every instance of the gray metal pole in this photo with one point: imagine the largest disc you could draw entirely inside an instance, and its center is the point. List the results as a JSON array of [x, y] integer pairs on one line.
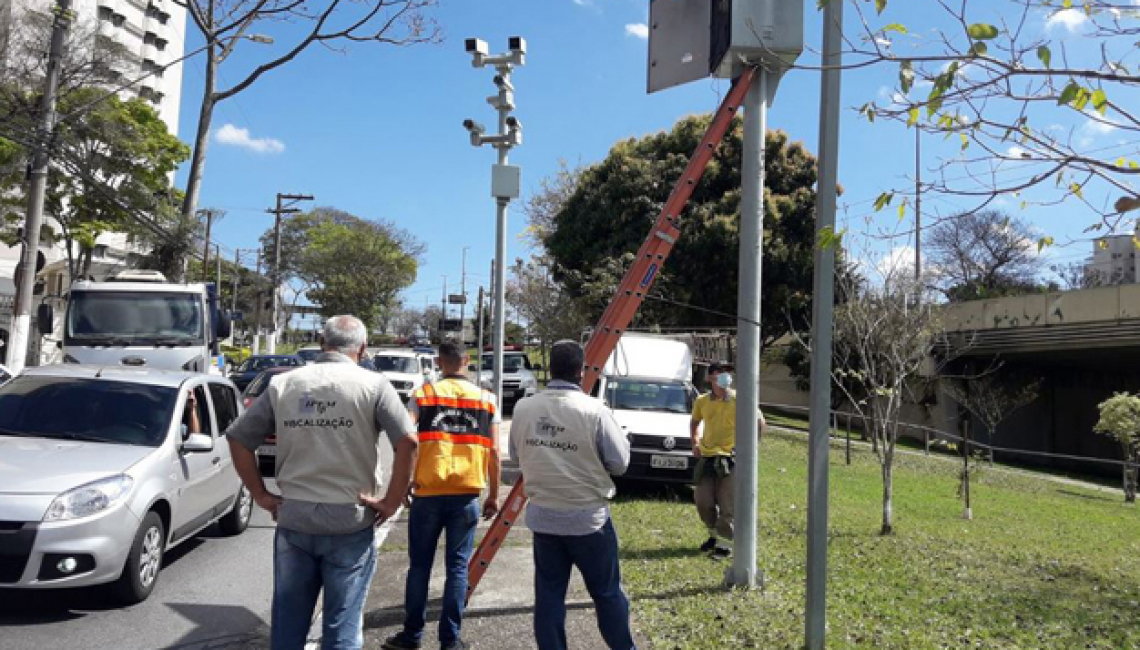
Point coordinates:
[[218, 261], [463, 305], [206, 248], [479, 325], [748, 332], [823, 319], [276, 273], [20, 338], [499, 326], [237, 272]]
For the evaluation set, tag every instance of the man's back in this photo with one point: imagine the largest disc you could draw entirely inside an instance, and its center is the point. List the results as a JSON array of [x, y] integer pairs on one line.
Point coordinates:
[[455, 426]]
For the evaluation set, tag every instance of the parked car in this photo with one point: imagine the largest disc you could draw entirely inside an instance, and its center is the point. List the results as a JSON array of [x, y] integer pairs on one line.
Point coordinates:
[[101, 475], [267, 452], [518, 375], [252, 367], [309, 353], [404, 368]]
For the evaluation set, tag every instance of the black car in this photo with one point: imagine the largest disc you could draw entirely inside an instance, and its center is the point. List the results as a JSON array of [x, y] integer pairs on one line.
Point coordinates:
[[267, 452], [253, 366]]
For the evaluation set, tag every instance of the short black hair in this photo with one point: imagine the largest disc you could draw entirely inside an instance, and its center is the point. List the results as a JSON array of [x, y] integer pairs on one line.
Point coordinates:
[[566, 360], [451, 351], [719, 366]]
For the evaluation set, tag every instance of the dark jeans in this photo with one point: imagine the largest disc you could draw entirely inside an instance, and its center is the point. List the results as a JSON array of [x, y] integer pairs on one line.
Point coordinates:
[[596, 556], [303, 566], [456, 515]]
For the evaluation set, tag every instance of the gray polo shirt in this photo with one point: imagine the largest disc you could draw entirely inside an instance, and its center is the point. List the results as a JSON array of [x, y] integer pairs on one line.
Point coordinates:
[[259, 421]]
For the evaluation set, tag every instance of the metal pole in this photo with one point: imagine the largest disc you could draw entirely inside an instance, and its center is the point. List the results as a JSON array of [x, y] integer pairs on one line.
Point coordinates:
[[20, 338], [463, 305], [218, 261], [255, 346], [917, 204], [823, 318], [748, 333], [443, 311], [479, 325], [237, 272], [497, 326], [276, 273]]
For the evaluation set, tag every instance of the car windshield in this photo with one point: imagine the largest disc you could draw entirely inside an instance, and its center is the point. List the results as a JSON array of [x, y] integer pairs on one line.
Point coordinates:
[[134, 318], [405, 365], [308, 355], [96, 411], [261, 382], [511, 362], [633, 394], [257, 364]]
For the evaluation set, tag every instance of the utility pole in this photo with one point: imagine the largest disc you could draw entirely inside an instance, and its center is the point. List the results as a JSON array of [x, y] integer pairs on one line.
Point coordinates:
[[209, 214], [41, 159], [218, 261], [822, 324], [463, 305], [281, 209], [479, 326], [233, 297], [505, 179], [255, 347], [443, 312]]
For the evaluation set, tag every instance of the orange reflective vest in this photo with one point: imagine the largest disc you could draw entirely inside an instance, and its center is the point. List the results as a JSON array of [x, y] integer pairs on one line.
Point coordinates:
[[454, 427]]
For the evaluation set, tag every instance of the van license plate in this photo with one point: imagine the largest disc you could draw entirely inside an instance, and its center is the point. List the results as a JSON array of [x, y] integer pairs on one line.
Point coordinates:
[[669, 462]]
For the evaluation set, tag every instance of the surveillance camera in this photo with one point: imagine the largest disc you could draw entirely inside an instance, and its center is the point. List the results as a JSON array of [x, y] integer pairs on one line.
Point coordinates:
[[514, 123], [474, 127], [517, 44], [476, 46], [503, 83]]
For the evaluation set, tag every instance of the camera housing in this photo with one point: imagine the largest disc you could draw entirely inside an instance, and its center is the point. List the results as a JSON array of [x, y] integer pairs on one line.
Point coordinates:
[[475, 130], [516, 44], [477, 48]]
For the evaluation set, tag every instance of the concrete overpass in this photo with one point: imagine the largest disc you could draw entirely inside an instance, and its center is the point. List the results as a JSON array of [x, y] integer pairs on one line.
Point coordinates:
[[1084, 345]]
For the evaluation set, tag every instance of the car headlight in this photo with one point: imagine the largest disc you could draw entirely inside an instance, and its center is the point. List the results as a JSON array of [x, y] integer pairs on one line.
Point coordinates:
[[89, 499], [530, 382]]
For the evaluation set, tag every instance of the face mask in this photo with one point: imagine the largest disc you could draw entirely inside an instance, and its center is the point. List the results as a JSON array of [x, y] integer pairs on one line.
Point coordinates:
[[724, 380]]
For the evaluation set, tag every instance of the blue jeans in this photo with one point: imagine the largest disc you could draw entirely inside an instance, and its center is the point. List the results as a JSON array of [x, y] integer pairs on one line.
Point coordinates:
[[303, 565], [457, 516], [596, 556]]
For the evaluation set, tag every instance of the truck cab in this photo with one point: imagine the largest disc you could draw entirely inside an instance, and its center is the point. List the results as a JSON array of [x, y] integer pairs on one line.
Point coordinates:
[[138, 319], [647, 384]]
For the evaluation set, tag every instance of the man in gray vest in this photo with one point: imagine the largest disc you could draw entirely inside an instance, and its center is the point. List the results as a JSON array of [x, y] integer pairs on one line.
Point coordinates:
[[567, 445], [328, 418]]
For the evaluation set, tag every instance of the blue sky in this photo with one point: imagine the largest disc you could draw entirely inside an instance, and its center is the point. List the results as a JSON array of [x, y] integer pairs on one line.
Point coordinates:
[[375, 130]]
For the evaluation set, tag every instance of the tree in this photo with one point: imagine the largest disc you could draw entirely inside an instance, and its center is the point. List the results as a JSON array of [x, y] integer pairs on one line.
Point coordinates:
[[1077, 275], [891, 337], [591, 221], [225, 23], [350, 265], [991, 397], [1120, 419], [984, 254], [545, 304], [1005, 89]]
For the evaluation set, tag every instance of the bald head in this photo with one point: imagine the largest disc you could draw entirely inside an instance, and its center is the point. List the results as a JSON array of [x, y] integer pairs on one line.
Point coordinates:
[[345, 334]]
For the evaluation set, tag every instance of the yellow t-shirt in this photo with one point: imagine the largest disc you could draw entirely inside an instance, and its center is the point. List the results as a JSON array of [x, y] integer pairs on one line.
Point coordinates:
[[719, 416]]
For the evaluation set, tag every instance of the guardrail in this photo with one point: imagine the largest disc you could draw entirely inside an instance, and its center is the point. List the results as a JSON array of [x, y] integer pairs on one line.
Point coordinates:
[[928, 432]]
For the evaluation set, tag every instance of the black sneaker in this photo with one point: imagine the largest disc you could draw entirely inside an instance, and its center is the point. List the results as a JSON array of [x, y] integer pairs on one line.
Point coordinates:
[[398, 642], [721, 553], [709, 545], [459, 644]]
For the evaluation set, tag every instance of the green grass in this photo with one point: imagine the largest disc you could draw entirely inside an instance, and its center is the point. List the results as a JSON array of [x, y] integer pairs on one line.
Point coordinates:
[[1043, 565]]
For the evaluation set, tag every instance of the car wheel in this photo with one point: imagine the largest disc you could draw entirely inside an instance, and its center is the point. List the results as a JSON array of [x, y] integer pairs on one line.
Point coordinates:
[[237, 519], [140, 574]]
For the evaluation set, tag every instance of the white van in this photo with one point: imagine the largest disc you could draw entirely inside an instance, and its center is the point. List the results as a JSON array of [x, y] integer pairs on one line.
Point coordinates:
[[647, 383]]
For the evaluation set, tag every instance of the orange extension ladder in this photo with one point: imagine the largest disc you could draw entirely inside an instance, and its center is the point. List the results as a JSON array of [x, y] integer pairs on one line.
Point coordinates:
[[630, 294]]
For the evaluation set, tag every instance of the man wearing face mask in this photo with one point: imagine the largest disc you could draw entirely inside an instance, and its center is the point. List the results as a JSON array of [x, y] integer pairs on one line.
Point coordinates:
[[714, 448]]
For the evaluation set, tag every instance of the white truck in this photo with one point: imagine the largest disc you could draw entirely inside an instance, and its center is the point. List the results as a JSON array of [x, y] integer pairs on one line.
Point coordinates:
[[647, 384], [138, 319]]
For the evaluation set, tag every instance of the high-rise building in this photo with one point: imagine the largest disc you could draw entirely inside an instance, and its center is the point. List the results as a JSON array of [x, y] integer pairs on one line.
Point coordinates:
[[1115, 260], [152, 33]]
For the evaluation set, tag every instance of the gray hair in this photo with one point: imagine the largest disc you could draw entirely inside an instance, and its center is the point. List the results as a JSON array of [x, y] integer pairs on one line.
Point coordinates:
[[345, 334]]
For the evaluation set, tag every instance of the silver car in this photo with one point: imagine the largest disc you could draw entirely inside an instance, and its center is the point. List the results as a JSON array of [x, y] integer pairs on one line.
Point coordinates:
[[102, 470]]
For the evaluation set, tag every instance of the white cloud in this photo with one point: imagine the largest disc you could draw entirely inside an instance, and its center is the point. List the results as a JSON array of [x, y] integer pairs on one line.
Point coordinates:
[[637, 30], [897, 263], [239, 137], [1017, 152], [1070, 19], [1098, 124]]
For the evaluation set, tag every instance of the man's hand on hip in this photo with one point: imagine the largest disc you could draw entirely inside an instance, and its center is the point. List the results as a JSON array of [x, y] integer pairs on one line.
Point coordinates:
[[383, 509], [269, 502]]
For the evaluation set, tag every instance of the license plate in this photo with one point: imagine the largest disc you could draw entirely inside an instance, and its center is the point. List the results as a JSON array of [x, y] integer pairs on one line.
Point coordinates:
[[267, 451], [669, 462]]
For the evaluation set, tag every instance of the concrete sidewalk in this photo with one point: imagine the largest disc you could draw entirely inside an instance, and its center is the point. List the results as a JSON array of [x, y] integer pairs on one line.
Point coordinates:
[[500, 615]]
